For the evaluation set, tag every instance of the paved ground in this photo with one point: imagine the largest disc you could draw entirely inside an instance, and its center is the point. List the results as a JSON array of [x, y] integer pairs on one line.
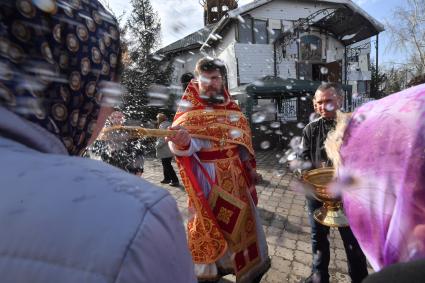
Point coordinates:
[[283, 211]]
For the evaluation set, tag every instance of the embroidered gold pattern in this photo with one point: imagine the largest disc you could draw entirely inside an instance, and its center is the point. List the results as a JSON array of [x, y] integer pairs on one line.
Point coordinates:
[[224, 215]]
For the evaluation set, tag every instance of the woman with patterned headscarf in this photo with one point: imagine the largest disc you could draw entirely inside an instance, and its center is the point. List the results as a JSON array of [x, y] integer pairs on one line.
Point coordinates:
[[65, 218]]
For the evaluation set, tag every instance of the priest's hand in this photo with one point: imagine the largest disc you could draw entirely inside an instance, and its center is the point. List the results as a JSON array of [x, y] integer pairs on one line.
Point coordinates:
[[181, 138]]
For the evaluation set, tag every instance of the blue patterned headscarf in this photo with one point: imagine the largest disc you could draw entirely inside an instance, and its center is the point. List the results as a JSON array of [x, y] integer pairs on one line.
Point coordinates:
[[54, 58]]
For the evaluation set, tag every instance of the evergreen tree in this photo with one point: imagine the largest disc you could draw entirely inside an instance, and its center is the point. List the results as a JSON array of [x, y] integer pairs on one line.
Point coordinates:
[[142, 68], [377, 83]]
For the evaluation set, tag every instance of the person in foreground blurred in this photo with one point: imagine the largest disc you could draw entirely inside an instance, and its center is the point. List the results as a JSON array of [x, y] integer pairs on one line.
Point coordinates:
[[127, 154], [327, 101], [380, 152], [406, 272], [164, 153], [64, 218], [214, 153]]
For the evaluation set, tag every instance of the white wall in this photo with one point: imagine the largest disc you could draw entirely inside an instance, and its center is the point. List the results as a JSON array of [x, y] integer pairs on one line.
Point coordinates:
[[226, 52], [288, 10], [255, 61], [184, 63]]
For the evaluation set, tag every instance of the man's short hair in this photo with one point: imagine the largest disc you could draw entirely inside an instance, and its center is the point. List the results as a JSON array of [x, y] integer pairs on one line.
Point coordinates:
[[207, 64], [337, 89], [161, 117]]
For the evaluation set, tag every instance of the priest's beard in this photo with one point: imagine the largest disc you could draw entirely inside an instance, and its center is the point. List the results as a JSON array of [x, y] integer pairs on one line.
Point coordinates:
[[213, 98]]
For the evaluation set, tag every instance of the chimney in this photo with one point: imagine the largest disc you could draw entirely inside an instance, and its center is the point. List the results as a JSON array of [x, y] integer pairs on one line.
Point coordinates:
[[214, 10]]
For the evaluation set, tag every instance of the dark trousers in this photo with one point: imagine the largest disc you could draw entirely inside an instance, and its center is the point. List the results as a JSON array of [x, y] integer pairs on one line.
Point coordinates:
[[357, 267], [168, 170]]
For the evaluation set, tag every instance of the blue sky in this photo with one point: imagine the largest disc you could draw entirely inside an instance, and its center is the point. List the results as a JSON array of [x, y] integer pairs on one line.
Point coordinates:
[[182, 17]]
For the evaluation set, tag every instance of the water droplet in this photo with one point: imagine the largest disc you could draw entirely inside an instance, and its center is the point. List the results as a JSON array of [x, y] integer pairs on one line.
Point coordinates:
[[296, 143], [359, 118], [300, 125], [289, 87], [306, 165], [292, 156], [111, 93], [240, 19], [349, 36], [330, 107], [263, 128], [258, 83], [184, 105], [258, 117], [233, 118], [48, 6], [324, 70], [204, 80], [313, 116], [265, 145], [275, 125], [278, 132], [234, 134]]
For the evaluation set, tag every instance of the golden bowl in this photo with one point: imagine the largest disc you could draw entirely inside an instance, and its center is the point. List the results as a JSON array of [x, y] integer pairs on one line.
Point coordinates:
[[331, 213], [320, 179]]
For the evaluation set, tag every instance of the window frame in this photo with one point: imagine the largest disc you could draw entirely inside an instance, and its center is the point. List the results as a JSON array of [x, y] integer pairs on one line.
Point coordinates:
[[266, 31]]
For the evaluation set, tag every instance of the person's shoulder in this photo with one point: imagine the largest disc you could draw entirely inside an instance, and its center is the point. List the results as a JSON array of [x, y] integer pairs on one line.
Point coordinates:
[[100, 176], [313, 124]]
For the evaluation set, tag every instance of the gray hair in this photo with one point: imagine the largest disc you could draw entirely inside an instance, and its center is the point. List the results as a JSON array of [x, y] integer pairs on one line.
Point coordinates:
[[336, 88]]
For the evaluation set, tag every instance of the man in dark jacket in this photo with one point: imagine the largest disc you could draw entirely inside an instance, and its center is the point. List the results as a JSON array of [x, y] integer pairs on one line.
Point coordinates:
[[327, 100], [164, 153]]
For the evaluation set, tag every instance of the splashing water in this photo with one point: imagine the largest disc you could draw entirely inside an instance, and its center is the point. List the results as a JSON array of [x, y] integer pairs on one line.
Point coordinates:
[[111, 93], [258, 117], [240, 19], [324, 70], [204, 80], [296, 143], [265, 145], [235, 134], [313, 116], [263, 128], [330, 107], [258, 83], [233, 118], [300, 125], [360, 118], [349, 36], [275, 125]]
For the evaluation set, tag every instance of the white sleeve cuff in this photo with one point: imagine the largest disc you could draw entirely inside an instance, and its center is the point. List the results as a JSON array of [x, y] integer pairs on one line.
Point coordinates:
[[179, 152]]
